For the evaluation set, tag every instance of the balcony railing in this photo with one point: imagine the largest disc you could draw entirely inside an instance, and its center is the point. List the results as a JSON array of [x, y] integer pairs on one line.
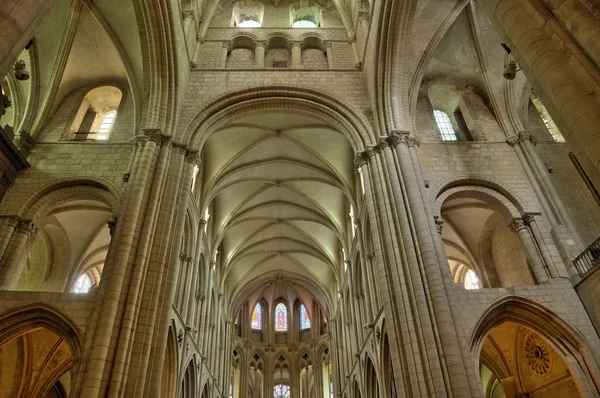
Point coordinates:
[[589, 260]]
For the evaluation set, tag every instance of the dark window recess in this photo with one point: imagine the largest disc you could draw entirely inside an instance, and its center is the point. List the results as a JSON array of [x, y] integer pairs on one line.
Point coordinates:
[[280, 64], [463, 129], [88, 121], [585, 178]]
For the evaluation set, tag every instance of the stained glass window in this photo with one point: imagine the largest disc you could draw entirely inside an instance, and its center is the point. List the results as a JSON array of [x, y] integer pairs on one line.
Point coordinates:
[[304, 319], [257, 317], [331, 395], [281, 390], [280, 318]]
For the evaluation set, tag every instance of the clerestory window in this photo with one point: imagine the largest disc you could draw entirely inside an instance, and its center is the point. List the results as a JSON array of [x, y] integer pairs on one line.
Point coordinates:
[[444, 125], [83, 284]]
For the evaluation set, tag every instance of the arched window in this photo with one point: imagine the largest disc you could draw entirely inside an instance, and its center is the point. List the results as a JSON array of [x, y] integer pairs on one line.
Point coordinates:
[[281, 390], [304, 319], [257, 317], [280, 318], [83, 284], [546, 118], [248, 14], [304, 24], [249, 24], [445, 125], [106, 125], [472, 281]]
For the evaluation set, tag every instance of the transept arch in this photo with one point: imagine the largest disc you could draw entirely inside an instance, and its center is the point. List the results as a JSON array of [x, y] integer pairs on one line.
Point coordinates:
[[574, 349]]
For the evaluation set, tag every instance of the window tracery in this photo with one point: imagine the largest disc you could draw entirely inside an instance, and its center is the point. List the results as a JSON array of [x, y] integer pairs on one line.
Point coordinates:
[[281, 391]]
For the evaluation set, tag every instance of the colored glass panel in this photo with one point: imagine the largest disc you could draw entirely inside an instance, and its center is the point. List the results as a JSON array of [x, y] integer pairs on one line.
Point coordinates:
[[257, 317], [304, 319], [280, 318], [281, 391]]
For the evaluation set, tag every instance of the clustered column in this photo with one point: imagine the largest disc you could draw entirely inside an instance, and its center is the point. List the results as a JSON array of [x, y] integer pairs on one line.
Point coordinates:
[[14, 256]]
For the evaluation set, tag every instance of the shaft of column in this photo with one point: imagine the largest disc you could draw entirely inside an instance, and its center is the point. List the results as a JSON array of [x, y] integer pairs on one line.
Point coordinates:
[[224, 54], [538, 268], [357, 61], [259, 54], [10, 225], [296, 55], [14, 259], [329, 54], [539, 240]]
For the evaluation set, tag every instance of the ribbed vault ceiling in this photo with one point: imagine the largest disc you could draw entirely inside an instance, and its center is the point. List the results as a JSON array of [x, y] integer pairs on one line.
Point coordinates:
[[279, 187]]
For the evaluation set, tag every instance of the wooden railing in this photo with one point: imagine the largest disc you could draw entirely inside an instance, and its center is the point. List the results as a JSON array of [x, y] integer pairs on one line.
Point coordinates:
[[589, 260]]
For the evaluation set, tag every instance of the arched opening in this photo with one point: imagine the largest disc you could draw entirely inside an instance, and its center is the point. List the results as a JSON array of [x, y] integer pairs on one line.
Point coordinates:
[[248, 14], [356, 392], [523, 349], [169, 375], [516, 361], [69, 249], [39, 350], [97, 113], [188, 384], [482, 243], [256, 377], [371, 380]]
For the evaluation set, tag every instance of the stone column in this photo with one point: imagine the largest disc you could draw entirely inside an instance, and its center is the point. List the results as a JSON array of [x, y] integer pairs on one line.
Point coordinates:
[[14, 258], [296, 54], [9, 224], [538, 268], [352, 41], [541, 245], [560, 77], [363, 21], [18, 24], [328, 53], [188, 20], [259, 54], [225, 48]]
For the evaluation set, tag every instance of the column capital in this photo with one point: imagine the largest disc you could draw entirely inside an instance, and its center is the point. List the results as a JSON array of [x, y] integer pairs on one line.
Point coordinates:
[[27, 227], [200, 39], [13, 221], [261, 43], [154, 135], [180, 147], [296, 43], [517, 224], [192, 157], [112, 224], [439, 224], [521, 137], [352, 39], [189, 14], [226, 44], [529, 217], [166, 140], [326, 44], [363, 15]]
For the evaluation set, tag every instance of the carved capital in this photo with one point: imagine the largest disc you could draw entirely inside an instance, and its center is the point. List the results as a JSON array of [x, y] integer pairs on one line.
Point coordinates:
[[25, 142], [529, 218], [139, 140], [154, 135], [166, 140], [202, 223], [192, 157], [439, 224], [13, 221], [200, 39], [188, 15], [326, 45], [180, 148], [360, 159], [363, 15], [112, 224], [27, 227], [260, 43], [183, 257], [352, 39], [226, 45], [518, 224], [295, 43], [521, 137], [126, 176]]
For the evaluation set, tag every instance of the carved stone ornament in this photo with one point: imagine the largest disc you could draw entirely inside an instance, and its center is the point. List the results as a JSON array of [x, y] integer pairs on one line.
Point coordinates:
[[439, 224], [180, 337], [537, 352], [126, 176]]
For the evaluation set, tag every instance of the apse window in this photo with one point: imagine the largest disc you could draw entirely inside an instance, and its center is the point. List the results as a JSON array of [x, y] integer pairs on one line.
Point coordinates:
[[248, 14], [281, 391], [304, 319], [106, 125], [281, 318], [444, 125], [256, 322], [83, 284]]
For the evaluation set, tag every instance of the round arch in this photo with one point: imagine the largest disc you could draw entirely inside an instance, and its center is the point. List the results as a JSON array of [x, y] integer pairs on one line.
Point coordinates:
[[564, 338], [234, 105]]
